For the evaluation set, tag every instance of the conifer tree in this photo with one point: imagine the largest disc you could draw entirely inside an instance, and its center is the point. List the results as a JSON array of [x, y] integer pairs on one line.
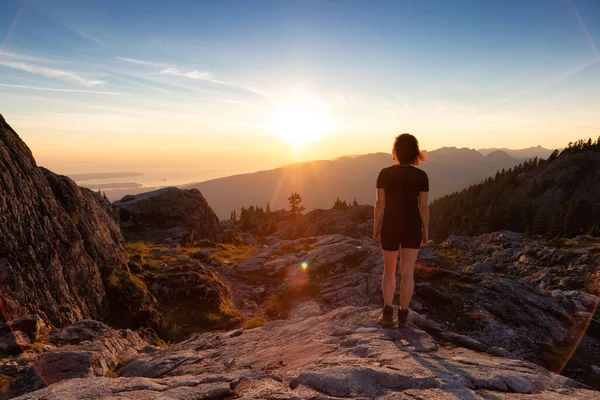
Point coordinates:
[[296, 208]]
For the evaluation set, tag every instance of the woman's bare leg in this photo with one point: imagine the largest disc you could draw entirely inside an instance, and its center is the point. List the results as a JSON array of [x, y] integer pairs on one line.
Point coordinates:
[[388, 280], [407, 281]]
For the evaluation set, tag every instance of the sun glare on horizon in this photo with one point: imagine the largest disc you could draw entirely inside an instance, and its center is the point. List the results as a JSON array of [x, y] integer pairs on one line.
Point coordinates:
[[302, 122]]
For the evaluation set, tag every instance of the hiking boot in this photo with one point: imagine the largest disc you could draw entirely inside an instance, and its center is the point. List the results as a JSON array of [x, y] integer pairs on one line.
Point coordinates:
[[386, 318], [402, 317]]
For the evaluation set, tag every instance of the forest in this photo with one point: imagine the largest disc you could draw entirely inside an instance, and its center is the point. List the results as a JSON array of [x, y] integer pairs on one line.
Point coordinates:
[[497, 203]]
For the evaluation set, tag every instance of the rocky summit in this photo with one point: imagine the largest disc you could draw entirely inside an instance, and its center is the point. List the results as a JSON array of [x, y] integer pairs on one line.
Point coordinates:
[[340, 354]]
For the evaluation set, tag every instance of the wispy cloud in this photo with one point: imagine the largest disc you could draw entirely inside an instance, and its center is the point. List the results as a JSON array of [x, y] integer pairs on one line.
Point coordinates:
[[50, 72], [19, 56], [207, 77], [141, 62], [585, 30], [46, 89], [541, 86]]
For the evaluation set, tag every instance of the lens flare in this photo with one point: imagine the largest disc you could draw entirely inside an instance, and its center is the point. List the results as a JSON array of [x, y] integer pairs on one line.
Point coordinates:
[[304, 265]]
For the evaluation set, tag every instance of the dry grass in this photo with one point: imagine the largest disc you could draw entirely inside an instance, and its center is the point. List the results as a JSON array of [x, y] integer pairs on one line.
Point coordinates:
[[225, 254], [184, 319], [279, 305], [452, 256], [5, 383], [111, 374], [427, 273], [141, 248], [255, 322]]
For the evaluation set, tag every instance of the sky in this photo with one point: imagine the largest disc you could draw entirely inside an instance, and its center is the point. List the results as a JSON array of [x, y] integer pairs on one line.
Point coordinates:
[[224, 86]]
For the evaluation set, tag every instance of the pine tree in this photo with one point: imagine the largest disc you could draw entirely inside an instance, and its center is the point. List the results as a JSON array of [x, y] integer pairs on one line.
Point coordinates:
[[268, 208], [355, 203], [233, 217], [296, 208]]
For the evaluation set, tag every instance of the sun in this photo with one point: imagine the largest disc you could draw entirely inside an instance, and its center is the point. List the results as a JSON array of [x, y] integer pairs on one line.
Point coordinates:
[[302, 122]]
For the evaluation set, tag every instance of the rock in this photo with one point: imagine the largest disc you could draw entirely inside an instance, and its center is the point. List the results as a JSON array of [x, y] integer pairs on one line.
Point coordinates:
[[176, 388], [252, 264], [306, 310], [13, 343], [11, 369], [352, 222], [505, 236], [427, 256], [29, 325], [567, 283], [309, 354], [594, 373], [85, 349], [162, 212], [485, 267], [59, 243], [206, 287], [500, 352], [589, 301]]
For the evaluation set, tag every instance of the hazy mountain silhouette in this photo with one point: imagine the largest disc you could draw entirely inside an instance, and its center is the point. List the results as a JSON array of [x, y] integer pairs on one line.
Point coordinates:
[[523, 154], [351, 177]]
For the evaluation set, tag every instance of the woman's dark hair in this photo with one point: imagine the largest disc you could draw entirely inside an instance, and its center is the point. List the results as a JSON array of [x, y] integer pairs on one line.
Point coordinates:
[[406, 150]]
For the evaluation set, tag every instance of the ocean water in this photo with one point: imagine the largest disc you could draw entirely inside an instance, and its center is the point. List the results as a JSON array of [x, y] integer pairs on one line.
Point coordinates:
[[152, 178]]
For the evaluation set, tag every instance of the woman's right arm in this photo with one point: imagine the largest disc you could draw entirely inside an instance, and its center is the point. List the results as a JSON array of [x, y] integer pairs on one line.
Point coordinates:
[[424, 211], [379, 207]]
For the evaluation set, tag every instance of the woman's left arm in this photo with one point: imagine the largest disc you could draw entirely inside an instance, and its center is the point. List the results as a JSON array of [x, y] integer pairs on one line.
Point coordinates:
[[378, 217]]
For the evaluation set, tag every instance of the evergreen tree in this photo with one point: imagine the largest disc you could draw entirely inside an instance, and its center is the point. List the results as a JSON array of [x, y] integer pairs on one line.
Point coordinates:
[[355, 203], [268, 208], [296, 208], [233, 217], [340, 204]]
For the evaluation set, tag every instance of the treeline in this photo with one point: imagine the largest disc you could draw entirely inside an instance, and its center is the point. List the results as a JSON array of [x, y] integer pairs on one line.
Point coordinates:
[[493, 205], [343, 205], [263, 221]]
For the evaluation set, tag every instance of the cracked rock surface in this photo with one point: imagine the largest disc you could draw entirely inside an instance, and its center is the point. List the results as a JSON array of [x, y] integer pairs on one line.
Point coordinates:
[[340, 354]]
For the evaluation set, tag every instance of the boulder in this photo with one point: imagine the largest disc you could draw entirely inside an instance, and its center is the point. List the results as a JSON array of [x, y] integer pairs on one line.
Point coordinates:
[[13, 343], [170, 213], [30, 325]]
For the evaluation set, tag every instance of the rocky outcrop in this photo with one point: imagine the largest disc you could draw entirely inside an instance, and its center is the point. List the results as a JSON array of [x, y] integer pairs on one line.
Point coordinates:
[[85, 349], [342, 354], [59, 245], [353, 222], [481, 288], [169, 213]]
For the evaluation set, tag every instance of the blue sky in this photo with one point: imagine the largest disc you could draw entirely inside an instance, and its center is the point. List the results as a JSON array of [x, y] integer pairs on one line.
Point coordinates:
[[199, 83]]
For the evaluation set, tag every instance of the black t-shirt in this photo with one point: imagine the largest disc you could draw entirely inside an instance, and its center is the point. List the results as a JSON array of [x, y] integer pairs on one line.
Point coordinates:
[[402, 184]]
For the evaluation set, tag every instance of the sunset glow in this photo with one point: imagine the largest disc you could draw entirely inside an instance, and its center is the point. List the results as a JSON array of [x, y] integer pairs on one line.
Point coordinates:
[[301, 123]]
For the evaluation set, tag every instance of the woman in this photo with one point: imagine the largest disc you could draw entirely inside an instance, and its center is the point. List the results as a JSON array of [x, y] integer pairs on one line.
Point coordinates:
[[401, 222]]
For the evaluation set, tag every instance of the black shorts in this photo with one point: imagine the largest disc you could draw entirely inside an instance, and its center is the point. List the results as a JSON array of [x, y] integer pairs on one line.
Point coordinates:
[[407, 236]]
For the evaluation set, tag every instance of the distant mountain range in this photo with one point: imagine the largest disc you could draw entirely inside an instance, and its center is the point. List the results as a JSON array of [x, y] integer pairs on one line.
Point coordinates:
[[353, 177], [523, 154]]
